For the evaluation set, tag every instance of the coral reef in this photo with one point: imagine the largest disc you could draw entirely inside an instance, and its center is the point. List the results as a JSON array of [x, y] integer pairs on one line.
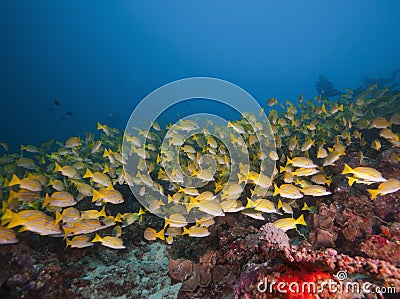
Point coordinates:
[[34, 268]]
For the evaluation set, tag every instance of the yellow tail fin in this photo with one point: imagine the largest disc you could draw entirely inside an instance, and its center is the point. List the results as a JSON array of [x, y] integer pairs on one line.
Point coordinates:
[[96, 195], [373, 192], [88, 174], [276, 190], [16, 220], [57, 167], [351, 181], [46, 201], [14, 181], [347, 169], [301, 220], [102, 212], [160, 235], [97, 238]]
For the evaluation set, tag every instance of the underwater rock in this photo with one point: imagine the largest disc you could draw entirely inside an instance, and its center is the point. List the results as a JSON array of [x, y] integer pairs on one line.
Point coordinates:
[[180, 269]]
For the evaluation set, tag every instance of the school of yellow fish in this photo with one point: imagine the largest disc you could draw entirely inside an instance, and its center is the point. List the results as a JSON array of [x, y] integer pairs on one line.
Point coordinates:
[[65, 192]]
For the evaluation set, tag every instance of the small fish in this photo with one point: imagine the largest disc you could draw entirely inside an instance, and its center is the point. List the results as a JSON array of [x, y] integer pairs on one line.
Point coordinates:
[[289, 223], [301, 162], [108, 194], [59, 199], [285, 207], [379, 123], [287, 191], [26, 163], [73, 142], [93, 214], [69, 215], [175, 220], [109, 241], [272, 102], [150, 234], [68, 171], [196, 231], [80, 241], [85, 226], [34, 221], [390, 186], [26, 183], [364, 173], [261, 205], [376, 145], [56, 102], [69, 113], [315, 190], [7, 236], [30, 148], [304, 172], [211, 208], [253, 214], [98, 177]]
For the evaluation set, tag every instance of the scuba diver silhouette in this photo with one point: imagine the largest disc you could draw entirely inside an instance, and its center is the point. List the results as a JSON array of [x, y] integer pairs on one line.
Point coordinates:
[[326, 88], [367, 80]]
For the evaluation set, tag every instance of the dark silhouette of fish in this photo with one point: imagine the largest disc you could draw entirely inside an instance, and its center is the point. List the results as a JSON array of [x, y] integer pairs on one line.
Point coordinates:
[[56, 102], [69, 113]]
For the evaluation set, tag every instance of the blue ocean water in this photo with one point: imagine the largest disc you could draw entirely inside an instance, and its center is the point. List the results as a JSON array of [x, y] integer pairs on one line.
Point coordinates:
[[98, 59]]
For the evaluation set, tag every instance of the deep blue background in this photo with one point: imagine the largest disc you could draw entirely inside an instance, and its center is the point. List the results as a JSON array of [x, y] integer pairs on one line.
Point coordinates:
[[99, 58]]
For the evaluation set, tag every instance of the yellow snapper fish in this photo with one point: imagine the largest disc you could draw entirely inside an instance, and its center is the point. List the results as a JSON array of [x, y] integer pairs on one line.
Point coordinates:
[[98, 177], [84, 226], [80, 241], [23, 195], [302, 162], [272, 102], [332, 157], [321, 179], [108, 194], [150, 234], [364, 173], [390, 186], [175, 220], [68, 171], [304, 172], [68, 215], [253, 214], [288, 191], [57, 185], [109, 241], [289, 223], [285, 207], [231, 206], [59, 199], [26, 163], [261, 205], [196, 231], [315, 190], [93, 214], [380, 123], [34, 221], [7, 236], [73, 142], [211, 207], [30, 148], [26, 183]]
